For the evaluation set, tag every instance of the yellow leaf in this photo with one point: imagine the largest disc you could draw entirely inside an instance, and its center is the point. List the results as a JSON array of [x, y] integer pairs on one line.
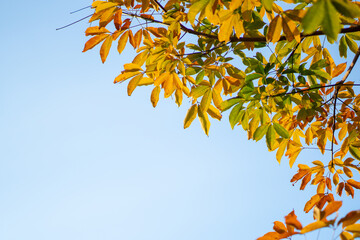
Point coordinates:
[[105, 48], [214, 112], [206, 100], [346, 236], [126, 75], [178, 96], [122, 41], [160, 79], [226, 30], [155, 96], [131, 67], [146, 81], [133, 84], [313, 226], [92, 42], [90, 31], [246, 10], [204, 120], [105, 5], [106, 17], [190, 115], [354, 228], [195, 8], [138, 37], [169, 86], [177, 80], [281, 150], [275, 29], [290, 29], [216, 98]]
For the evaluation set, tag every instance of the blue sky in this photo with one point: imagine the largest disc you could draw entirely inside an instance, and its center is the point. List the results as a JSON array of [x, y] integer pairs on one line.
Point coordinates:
[[79, 159]]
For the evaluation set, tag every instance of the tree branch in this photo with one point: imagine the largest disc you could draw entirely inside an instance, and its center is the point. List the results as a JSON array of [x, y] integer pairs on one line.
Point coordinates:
[[341, 83]]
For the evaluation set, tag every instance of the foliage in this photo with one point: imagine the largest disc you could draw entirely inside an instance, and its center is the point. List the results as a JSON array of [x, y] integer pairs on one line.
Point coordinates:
[[213, 52]]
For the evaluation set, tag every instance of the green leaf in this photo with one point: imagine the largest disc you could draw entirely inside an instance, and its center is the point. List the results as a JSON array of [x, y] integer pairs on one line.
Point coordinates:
[[319, 64], [352, 44], [260, 132], [192, 70], [235, 115], [346, 8], [225, 105], [281, 130], [200, 77], [252, 76], [320, 73], [354, 35], [199, 91], [355, 152], [343, 47], [270, 137], [331, 23], [314, 17]]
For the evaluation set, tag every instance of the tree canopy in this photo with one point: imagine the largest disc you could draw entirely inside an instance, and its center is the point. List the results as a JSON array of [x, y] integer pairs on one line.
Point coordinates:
[[270, 63]]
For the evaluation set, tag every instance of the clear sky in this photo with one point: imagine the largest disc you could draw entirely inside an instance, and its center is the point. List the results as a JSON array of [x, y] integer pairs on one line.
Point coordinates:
[[80, 160]]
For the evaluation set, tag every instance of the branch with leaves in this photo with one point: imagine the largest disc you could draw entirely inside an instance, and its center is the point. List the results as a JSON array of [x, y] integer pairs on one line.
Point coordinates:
[[266, 62]]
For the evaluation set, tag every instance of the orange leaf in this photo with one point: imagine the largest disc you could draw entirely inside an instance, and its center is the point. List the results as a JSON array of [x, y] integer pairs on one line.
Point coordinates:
[[147, 16], [311, 203], [92, 42], [321, 187], [349, 190], [299, 175], [305, 181], [331, 208], [354, 183], [339, 188], [279, 227], [350, 218], [291, 220], [313, 226], [117, 19], [339, 69], [105, 48]]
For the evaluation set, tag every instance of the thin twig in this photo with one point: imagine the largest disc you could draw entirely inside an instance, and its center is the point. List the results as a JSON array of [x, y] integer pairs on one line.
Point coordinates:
[[80, 9], [74, 22], [341, 83]]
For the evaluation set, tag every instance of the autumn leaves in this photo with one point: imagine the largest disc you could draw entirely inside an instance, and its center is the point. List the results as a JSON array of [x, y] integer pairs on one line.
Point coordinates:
[[203, 50]]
